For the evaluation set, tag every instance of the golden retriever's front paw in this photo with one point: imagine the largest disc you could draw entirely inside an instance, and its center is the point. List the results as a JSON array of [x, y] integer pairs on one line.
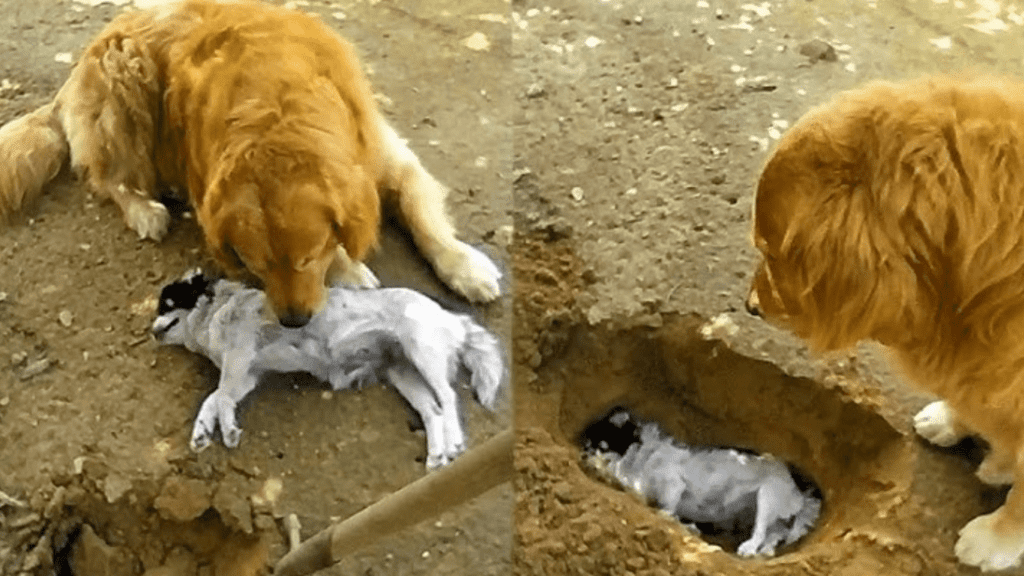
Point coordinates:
[[996, 470], [148, 218], [937, 424], [356, 275], [981, 545], [470, 272]]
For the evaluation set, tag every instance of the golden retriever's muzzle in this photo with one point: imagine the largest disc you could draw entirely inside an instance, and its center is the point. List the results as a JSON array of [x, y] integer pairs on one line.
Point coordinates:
[[294, 319], [294, 297]]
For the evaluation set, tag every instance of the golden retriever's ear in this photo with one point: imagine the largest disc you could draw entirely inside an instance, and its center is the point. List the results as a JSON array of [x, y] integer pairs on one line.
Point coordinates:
[[854, 208], [777, 201], [359, 237], [355, 217], [236, 235]]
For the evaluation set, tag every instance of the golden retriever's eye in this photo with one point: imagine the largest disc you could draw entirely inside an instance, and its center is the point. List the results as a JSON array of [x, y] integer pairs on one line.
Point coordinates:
[[303, 263], [336, 229], [232, 256]]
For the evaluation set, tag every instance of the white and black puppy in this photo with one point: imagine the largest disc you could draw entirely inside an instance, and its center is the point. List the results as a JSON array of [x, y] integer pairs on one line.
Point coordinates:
[[392, 335], [733, 491]]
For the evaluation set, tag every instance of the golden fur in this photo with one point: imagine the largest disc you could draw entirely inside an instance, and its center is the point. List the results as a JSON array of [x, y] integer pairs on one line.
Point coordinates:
[[896, 213], [263, 115]]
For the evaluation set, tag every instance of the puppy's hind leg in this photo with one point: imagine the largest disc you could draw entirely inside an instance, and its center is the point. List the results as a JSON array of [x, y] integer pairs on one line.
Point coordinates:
[[421, 205], [108, 108], [414, 389], [437, 366]]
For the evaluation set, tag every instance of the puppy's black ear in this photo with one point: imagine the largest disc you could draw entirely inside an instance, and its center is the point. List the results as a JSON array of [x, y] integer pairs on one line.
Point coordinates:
[[191, 274], [183, 294], [615, 432], [202, 284]]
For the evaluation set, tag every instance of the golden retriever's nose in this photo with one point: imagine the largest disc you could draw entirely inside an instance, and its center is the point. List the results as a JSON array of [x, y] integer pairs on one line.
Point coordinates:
[[294, 319], [753, 304]]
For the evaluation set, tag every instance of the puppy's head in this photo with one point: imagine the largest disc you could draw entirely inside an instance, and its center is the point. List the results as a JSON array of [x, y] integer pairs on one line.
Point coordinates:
[[850, 220], [615, 432], [286, 232], [177, 300]]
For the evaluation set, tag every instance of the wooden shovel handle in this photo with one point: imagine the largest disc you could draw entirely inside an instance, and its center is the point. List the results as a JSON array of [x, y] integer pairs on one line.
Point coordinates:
[[472, 474]]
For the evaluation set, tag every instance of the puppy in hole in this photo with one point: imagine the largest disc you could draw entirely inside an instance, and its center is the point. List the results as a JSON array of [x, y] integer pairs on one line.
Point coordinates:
[[753, 497], [392, 335]]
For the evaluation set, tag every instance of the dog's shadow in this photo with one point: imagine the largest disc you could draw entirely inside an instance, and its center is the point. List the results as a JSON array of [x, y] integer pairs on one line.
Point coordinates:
[[970, 452]]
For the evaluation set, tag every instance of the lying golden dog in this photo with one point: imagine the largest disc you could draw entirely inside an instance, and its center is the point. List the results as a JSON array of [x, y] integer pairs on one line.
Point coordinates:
[[264, 116], [896, 213]]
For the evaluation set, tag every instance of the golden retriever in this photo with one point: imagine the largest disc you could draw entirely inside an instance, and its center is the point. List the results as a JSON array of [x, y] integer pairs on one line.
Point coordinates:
[[264, 115], [896, 213]]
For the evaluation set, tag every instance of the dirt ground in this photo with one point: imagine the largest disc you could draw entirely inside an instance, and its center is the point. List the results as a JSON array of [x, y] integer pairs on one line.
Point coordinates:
[[95, 418], [640, 131]]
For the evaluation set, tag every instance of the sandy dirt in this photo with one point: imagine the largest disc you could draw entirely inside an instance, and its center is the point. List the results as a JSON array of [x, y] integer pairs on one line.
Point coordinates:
[[95, 418], [640, 131]]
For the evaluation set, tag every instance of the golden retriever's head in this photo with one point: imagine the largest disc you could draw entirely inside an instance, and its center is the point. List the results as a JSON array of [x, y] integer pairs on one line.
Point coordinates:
[[285, 231], [851, 215]]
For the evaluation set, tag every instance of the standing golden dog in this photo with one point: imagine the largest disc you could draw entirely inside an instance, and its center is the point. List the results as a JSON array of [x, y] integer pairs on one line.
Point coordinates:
[[265, 117], [896, 213]]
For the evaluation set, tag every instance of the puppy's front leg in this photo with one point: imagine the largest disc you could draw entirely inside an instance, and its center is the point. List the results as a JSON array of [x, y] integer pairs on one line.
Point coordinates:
[[237, 380], [421, 205], [431, 362]]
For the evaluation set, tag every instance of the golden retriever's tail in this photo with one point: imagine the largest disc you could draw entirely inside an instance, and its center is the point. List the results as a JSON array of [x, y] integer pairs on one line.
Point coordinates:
[[32, 150]]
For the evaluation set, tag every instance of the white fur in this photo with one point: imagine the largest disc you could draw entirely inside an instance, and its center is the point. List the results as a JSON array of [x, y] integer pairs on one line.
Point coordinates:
[[981, 545], [937, 424], [394, 334], [718, 486], [421, 204]]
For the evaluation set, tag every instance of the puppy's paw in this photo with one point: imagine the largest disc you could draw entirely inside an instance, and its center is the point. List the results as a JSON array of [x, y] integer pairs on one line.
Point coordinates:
[[937, 424], [216, 410], [363, 378], [358, 378], [148, 218], [752, 547], [202, 437], [231, 436], [452, 446], [982, 545], [436, 461], [450, 449], [469, 272]]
